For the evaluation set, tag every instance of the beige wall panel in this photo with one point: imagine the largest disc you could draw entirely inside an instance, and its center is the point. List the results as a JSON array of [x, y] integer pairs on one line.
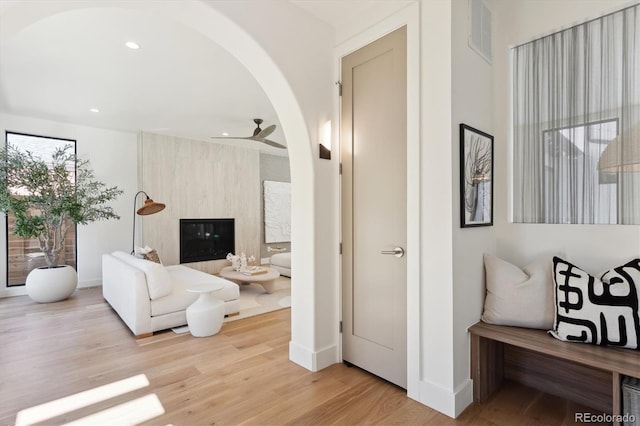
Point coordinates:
[[197, 179]]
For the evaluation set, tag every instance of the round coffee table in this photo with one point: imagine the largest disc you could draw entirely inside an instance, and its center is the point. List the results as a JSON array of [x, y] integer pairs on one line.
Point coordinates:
[[205, 315], [266, 280]]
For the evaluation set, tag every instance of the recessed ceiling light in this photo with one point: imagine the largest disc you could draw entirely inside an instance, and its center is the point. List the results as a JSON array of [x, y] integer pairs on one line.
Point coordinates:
[[94, 110], [132, 45], [225, 134]]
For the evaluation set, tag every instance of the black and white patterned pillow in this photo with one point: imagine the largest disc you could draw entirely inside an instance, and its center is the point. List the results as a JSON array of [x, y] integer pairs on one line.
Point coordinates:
[[599, 311]]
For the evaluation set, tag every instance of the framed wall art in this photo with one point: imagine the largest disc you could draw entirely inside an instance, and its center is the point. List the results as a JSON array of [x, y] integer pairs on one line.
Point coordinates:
[[476, 177]]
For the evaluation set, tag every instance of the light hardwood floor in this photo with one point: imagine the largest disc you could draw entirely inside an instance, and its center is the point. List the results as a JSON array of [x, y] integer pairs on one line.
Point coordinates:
[[240, 376]]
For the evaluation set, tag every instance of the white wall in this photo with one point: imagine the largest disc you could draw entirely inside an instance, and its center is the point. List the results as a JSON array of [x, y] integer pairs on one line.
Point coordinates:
[[472, 104], [594, 247], [457, 88], [436, 205], [302, 47], [113, 157]]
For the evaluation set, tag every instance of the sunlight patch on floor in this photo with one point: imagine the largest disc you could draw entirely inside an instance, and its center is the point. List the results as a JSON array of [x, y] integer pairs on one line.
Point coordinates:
[[49, 410], [129, 413]]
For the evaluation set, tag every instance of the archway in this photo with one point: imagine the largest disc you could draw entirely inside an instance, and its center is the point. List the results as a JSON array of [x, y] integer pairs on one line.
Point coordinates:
[[224, 32]]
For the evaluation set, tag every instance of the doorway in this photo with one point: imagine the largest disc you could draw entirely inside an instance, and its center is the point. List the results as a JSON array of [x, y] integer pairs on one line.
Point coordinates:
[[374, 213]]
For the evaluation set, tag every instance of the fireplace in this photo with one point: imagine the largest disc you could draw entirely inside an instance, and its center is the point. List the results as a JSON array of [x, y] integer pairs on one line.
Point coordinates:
[[206, 239]]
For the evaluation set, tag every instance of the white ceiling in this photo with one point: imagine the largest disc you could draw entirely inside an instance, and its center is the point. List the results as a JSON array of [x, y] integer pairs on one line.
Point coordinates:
[[177, 83], [350, 17]]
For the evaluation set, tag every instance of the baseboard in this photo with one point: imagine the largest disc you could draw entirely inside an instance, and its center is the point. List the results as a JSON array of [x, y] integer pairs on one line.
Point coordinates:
[[22, 291], [312, 361], [12, 292], [326, 357], [445, 401], [89, 283], [300, 355], [464, 396]]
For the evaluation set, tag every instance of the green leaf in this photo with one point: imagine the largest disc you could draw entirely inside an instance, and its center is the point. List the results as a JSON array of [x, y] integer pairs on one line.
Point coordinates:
[[43, 196]]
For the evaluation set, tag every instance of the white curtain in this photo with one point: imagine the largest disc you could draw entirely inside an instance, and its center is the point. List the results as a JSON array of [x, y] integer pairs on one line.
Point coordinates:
[[575, 91]]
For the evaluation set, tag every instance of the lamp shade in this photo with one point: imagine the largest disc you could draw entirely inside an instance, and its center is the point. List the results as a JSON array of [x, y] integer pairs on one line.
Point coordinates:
[[150, 207], [623, 153]]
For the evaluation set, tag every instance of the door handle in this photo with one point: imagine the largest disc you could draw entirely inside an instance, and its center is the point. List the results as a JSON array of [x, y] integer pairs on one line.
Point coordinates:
[[397, 252]]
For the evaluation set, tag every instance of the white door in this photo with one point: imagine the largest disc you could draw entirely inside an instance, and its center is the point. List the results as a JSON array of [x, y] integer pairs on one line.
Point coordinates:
[[374, 200]]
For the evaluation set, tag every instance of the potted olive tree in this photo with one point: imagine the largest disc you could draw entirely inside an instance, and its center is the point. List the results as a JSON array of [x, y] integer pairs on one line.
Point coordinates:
[[47, 201]]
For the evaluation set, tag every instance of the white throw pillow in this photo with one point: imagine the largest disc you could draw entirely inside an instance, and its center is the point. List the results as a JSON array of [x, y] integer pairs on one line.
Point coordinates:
[[520, 298], [158, 279]]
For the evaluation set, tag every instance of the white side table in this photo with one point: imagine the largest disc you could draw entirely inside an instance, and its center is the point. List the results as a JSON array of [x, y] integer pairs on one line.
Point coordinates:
[[206, 314]]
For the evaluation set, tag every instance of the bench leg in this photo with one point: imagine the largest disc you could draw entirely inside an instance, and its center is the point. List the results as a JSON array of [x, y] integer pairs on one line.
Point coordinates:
[[487, 367], [617, 398]]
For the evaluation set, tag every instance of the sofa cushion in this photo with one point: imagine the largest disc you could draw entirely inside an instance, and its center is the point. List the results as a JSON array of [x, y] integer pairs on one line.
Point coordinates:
[[179, 299], [601, 311], [182, 276], [281, 259], [518, 297], [158, 280]]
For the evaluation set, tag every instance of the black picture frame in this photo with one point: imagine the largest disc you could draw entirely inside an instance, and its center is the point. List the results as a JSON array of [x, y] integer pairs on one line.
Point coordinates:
[[476, 177]]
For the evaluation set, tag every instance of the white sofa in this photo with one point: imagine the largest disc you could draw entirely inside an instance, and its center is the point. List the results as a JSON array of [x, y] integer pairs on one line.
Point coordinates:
[[150, 297], [282, 263]]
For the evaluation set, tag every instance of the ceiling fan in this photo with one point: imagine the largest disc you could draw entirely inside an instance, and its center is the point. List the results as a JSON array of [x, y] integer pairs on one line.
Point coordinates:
[[259, 135]]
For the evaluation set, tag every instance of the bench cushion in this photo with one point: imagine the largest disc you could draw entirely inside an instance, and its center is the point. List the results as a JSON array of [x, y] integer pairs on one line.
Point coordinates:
[[600, 311]]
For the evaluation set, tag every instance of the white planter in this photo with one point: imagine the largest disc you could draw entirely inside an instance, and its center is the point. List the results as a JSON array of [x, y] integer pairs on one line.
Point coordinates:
[[46, 285]]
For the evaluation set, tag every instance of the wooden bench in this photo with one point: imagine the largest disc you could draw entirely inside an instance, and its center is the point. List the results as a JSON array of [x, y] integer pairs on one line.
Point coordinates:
[[586, 374]]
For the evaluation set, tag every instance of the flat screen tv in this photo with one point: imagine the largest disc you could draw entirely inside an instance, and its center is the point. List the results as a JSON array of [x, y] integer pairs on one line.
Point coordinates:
[[206, 239]]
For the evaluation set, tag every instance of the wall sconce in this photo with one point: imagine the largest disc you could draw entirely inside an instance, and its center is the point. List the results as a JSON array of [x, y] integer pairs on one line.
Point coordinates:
[[325, 140]]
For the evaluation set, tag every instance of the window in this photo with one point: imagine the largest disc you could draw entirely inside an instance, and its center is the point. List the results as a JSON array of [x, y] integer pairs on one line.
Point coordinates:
[[576, 101], [23, 255], [575, 191]]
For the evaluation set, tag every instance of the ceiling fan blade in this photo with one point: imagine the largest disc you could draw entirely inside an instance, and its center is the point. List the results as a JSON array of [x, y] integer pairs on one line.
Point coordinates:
[[266, 131], [271, 143], [259, 135], [251, 138]]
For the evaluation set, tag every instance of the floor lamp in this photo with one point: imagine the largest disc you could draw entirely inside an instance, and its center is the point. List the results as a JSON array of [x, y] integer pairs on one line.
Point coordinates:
[[149, 207]]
